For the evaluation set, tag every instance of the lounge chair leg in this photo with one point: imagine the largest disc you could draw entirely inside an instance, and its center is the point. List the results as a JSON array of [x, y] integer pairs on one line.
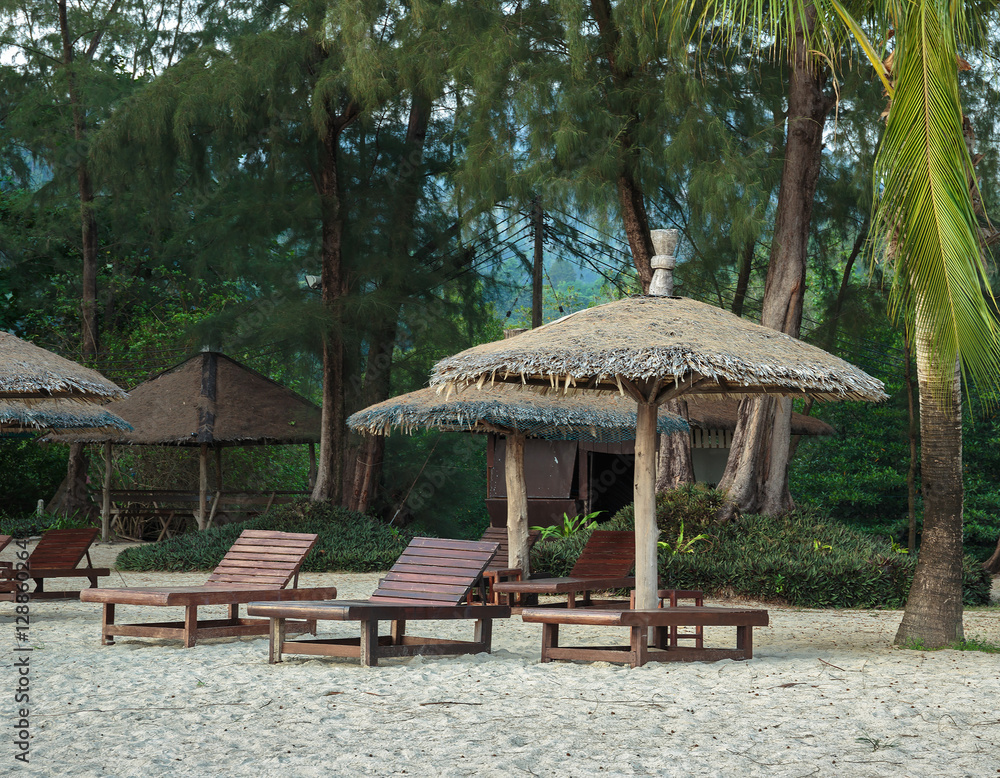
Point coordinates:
[[39, 585], [277, 640], [398, 632], [571, 600], [484, 634], [234, 612], [108, 620], [369, 643], [190, 625], [550, 639], [744, 641], [311, 626], [639, 638]]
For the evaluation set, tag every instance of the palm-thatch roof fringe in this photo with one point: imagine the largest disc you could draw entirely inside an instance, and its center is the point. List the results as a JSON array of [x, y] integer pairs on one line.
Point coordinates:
[[56, 414], [504, 409], [29, 372], [669, 338]]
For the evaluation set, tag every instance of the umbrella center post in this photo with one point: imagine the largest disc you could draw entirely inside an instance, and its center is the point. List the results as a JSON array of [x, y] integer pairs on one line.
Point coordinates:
[[646, 529]]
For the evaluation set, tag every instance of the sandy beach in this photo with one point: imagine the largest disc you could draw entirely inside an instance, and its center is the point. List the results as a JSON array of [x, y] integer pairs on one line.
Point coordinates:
[[825, 695]]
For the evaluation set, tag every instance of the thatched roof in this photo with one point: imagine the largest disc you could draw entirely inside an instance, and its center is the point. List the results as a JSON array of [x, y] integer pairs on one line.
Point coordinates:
[[209, 399], [672, 339], [504, 409], [28, 372], [719, 413], [17, 416]]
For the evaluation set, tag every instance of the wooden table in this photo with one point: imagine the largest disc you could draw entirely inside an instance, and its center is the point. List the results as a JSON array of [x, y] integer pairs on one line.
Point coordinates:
[[639, 623]]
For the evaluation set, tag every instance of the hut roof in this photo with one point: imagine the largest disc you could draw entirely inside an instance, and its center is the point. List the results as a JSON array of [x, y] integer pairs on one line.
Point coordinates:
[[209, 399], [28, 373], [654, 338], [17, 416], [504, 408]]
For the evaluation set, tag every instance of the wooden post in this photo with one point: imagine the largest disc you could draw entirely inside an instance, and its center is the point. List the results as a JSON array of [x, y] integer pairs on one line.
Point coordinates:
[[646, 531], [203, 486], [106, 495], [517, 506], [218, 469]]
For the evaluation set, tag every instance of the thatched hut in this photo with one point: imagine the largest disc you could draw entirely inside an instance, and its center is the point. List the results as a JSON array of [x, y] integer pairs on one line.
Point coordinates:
[[575, 476], [208, 402], [29, 373], [654, 349], [523, 419]]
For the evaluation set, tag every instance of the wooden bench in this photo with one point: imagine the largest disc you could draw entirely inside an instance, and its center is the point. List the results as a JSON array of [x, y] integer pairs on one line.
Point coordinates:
[[56, 556], [259, 566], [639, 623], [433, 579], [604, 563]]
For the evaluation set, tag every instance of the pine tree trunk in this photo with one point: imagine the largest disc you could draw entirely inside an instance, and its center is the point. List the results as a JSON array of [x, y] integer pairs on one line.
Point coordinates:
[[743, 278], [674, 466], [404, 193], [756, 475], [933, 614], [75, 493], [378, 374], [630, 194], [333, 430]]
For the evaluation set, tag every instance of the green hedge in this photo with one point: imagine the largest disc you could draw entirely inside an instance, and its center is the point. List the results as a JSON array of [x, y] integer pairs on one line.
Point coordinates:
[[801, 559], [347, 541]]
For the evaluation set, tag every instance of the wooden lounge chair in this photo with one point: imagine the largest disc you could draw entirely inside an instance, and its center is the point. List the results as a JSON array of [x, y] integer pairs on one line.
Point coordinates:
[[604, 563], [258, 567], [56, 556], [433, 579], [498, 570], [664, 622]]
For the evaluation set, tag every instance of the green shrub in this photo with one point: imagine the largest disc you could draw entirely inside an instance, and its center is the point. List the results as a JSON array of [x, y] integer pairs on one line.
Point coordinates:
[[802, 558], [347, 541], [696, 505]]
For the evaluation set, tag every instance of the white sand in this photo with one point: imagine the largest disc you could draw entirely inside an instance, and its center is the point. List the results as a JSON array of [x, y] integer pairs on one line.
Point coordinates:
[[825, 695]]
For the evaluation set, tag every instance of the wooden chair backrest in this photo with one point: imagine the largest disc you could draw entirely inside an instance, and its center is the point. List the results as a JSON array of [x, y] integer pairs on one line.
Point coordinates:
[[608, 554], [262, 559], [499, 535], [62, 549], [435, 571]]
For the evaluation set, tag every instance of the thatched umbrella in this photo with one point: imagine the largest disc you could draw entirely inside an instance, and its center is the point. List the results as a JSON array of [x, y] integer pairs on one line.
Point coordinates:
[[654, 349], [30, 373], [17, 416], [506, 410]]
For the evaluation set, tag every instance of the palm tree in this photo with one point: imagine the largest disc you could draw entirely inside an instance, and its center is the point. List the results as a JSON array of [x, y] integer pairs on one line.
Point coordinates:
[[928, 233]]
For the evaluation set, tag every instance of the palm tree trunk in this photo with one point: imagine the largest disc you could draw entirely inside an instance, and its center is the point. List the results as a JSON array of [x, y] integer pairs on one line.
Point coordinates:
[[933, 615]]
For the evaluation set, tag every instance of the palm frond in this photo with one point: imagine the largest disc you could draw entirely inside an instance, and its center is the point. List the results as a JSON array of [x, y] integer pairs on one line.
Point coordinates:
[[924, 171]]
